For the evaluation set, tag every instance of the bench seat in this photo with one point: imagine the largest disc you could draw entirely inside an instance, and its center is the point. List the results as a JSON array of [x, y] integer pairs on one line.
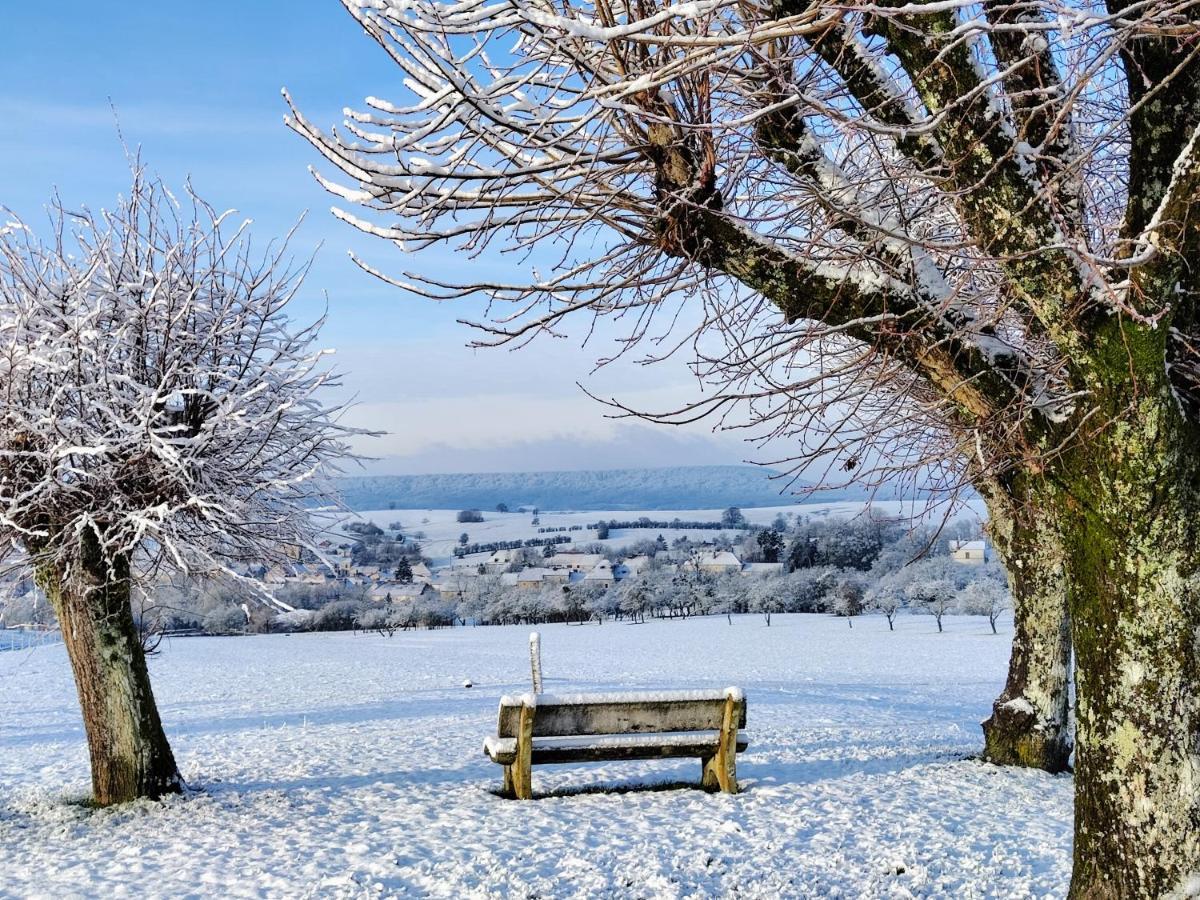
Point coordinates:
[[599, 747]]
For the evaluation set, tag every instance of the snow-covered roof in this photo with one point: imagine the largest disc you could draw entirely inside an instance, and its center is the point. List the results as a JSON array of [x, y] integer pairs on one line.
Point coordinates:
[[762, 568], [399, 590], [571, 559], [967, 545], [538, 573], [602, 571], [637, 563]]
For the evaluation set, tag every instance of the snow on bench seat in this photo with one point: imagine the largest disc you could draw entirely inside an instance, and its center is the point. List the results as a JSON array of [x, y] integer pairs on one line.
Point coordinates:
[[586, 699]]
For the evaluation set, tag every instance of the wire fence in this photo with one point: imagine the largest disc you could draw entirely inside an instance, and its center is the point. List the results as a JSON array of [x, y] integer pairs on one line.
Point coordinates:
[[24, 638]]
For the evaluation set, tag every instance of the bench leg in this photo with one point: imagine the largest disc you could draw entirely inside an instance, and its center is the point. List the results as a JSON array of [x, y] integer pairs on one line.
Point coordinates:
[[719, 774], [522, 779], [508, 782], [522, 767], [720, 770]]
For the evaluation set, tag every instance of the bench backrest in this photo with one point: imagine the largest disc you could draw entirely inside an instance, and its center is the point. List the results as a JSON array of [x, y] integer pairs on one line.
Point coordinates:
[[564, 715]]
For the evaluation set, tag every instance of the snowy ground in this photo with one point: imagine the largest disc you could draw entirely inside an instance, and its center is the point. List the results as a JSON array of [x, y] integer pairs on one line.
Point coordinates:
[[442, 530], [339, 765]]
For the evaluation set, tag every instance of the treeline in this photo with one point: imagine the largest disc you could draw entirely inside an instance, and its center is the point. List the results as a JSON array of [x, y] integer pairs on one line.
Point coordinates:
[[662, 525], [375, 547], [492, 546]]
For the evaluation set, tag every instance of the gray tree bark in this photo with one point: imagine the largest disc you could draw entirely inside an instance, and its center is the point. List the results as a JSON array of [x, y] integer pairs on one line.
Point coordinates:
[[1135, 608], [1030, 724], [129, 752]]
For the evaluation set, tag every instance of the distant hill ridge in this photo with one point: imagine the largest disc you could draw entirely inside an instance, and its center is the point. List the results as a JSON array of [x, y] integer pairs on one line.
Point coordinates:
[[681, 487]]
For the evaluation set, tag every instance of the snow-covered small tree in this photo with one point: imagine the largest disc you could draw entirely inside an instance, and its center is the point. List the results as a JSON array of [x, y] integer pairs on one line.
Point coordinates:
[[637, 595], [935, 596], [603, 604], [886, 597], [158, 408], [765, 597], [805, 590], [404, 572], [848, 598], [985, 597]]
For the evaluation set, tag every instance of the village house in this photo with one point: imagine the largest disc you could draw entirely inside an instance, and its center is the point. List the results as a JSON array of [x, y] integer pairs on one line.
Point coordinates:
[[636, 565], [501, 560], [535, 578], [601, 574], [397, 591], [720, 562], [972, 553], [367, 573], [574, 561], [763, 569]]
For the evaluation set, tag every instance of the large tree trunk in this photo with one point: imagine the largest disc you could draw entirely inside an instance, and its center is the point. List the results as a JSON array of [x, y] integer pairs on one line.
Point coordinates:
[[1130, 508], [130, 755], [1029, 725]]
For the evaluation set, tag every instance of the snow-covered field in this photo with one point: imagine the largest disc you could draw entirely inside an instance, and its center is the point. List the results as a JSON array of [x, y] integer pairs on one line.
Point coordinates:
[[442, 530], [340, 765]]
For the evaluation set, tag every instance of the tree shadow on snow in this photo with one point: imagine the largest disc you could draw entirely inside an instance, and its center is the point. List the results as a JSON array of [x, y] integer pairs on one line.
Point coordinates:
[[813, 771]]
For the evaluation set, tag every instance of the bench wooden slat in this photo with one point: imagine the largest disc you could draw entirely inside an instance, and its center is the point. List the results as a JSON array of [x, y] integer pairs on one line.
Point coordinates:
[[597, 748]]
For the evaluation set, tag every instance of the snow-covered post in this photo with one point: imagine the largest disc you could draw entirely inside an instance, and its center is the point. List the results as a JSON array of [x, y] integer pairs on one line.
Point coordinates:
[[535, 660]]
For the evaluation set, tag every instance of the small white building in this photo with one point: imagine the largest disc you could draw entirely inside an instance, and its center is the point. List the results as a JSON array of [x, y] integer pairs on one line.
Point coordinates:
[[635, 565], [972, 553], [535, 578], [574, 561], [601, 574], [397, 591], [718, 563], [762, 569]]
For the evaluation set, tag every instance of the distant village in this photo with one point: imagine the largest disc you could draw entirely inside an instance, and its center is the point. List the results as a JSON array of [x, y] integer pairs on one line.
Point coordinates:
[[516, 568], [368, 576]]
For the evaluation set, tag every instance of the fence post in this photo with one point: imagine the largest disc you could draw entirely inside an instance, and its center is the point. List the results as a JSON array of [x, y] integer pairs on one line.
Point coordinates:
[[535, 660]]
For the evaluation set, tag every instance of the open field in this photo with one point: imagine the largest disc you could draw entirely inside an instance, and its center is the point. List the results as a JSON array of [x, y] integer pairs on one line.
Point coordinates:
[[442, 530], [350, 766]]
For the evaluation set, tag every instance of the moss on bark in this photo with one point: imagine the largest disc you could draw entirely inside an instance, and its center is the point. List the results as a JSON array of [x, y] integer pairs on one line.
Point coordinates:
[[1029, 725], [1129, 504], [128, 749]]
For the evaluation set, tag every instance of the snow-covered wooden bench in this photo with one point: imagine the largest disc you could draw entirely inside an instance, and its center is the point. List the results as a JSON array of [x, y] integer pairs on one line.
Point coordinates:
[[541, 729]]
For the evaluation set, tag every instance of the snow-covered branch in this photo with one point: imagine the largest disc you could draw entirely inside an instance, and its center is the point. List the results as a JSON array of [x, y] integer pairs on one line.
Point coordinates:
[[156, 392]]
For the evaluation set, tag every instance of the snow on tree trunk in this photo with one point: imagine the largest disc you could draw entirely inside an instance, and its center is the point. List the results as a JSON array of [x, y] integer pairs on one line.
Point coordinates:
[[130, 755], [1029, 725]]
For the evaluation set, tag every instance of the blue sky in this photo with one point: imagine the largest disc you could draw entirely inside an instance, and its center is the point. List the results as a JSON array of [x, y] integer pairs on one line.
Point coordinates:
[[196, 87]]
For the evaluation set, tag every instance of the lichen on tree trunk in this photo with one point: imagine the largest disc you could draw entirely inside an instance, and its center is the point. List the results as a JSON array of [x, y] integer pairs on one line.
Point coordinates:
[[1129, 508], [130, 755], [1029, 725]]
